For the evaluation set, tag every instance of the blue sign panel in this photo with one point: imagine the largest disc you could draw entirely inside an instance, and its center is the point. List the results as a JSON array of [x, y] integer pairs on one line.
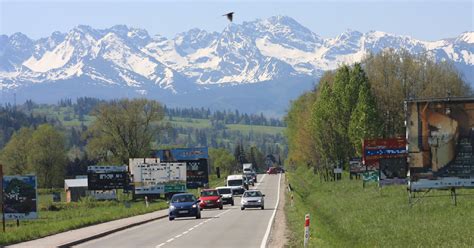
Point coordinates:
[[183, 154], [389, 151]]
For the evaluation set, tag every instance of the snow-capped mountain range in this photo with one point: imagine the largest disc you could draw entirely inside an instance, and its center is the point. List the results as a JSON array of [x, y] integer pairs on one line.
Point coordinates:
[[125, 61]]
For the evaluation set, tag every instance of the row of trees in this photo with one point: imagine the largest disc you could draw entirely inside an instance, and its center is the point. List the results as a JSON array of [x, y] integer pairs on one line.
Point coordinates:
[[226, 117], [121, 129], [363, 101]]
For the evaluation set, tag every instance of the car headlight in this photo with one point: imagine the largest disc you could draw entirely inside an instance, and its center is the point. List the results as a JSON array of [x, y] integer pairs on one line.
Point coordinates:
[[218, 200], [244, 201], [259, 200], [194, 206], [172, 208]]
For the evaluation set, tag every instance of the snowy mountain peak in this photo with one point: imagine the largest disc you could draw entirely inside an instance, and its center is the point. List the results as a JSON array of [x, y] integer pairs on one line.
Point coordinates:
[[274, 49], [467, 37]]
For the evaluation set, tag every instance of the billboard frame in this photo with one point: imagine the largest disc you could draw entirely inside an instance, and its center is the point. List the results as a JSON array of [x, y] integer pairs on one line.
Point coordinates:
[[419, 115], [17, 216]]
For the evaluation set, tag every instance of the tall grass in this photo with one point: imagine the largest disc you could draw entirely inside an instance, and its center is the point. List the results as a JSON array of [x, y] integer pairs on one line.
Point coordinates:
[[343, 214], [68, 216]]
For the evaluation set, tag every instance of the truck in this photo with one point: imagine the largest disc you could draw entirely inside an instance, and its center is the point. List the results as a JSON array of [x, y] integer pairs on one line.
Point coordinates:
[[247, 168], [151, 177], [440, 141]]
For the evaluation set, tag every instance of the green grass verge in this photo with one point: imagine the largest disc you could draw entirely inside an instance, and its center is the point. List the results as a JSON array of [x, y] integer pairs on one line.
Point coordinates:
[[343, 214], [72, 216]]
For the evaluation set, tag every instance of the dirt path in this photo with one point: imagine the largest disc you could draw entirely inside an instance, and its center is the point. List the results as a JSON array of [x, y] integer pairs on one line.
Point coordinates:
[[279, 233]]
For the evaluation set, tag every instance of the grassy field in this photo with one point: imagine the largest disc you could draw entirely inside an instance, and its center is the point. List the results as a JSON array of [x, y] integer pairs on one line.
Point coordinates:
[[72, 216], [72, 121], [84, 213], [256, 129], [343, 214]]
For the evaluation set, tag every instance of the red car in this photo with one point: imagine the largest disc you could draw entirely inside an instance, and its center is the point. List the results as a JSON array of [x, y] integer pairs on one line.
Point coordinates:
[[210, 198], [272, 170]]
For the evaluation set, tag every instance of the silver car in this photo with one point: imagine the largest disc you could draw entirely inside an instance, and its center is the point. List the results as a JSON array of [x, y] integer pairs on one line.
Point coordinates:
[[252, 199]]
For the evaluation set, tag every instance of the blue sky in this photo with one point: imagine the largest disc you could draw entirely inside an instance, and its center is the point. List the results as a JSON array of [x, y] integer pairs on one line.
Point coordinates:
[[425, 20]]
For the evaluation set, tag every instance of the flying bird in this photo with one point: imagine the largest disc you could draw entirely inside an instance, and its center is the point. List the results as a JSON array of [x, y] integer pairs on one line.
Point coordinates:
[[230, 16]]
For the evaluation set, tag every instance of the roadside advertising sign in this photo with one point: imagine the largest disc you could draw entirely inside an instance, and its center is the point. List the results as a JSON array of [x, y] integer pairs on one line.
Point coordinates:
[[376, 149], [107, 177], [150, 176], [183, 154], [197, 173], [196, 160], [356, 165], [440, 134], [20, 197]]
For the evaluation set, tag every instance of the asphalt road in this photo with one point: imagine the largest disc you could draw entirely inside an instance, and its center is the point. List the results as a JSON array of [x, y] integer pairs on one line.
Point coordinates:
[[230, 227]]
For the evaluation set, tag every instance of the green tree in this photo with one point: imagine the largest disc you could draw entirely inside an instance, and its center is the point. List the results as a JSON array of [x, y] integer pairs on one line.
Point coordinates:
[[47, 155], [365, 121], [14, 154], [395, 76], [223, 159], [124, 129]]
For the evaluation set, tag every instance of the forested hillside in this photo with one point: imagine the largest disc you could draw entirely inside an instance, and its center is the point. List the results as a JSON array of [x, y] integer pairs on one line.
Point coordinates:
[[74, 123]]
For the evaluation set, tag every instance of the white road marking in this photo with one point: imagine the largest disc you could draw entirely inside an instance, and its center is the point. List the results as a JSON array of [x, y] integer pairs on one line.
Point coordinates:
[[269, 227], [190, 229]]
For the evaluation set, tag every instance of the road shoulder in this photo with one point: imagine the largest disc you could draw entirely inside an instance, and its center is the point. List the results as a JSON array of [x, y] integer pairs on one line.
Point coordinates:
[[279, 234]]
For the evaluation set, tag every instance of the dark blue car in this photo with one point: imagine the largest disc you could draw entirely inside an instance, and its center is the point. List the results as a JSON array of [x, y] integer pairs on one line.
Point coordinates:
[[184, 205]]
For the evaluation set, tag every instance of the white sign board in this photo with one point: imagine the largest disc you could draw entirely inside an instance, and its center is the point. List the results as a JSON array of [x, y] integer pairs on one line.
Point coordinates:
[[150, 176]]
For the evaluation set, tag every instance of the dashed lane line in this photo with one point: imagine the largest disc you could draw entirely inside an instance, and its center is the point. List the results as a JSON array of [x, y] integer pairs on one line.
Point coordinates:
[[190, 229]]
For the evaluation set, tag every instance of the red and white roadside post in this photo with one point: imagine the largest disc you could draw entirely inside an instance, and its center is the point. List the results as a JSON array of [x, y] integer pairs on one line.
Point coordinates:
[[306, 230]]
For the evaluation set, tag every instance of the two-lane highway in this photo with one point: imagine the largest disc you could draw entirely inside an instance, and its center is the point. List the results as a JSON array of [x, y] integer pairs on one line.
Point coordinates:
[[230, 227]]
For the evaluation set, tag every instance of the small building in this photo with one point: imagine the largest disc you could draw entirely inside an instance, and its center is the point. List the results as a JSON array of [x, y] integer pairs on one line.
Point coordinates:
[[75, 189]]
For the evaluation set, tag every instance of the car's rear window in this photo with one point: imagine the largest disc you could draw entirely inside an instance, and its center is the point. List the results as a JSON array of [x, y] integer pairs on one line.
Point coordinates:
[[183, 198], [224, 191], [209, 193], [252, 194]]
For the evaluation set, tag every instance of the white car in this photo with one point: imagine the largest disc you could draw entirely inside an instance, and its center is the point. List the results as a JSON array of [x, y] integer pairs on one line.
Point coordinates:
[[227, 196], [252, 199]]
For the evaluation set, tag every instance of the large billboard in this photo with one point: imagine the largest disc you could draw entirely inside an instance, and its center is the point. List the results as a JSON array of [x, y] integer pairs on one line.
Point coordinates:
[[197, 173], [196, 160], [183, 154], [151, 176], [440, 134], [107, 177], [376, 149], [20, 197]]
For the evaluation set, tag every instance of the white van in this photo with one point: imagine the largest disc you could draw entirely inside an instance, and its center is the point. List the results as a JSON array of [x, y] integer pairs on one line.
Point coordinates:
[[236, 182]]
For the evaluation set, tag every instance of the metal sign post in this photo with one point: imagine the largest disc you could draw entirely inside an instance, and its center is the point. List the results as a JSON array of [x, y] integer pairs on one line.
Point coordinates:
[[306, 230]]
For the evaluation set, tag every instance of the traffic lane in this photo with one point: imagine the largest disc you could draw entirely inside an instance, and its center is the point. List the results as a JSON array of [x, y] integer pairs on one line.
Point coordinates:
[[153, 233], [236, 228], [164, 233]]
